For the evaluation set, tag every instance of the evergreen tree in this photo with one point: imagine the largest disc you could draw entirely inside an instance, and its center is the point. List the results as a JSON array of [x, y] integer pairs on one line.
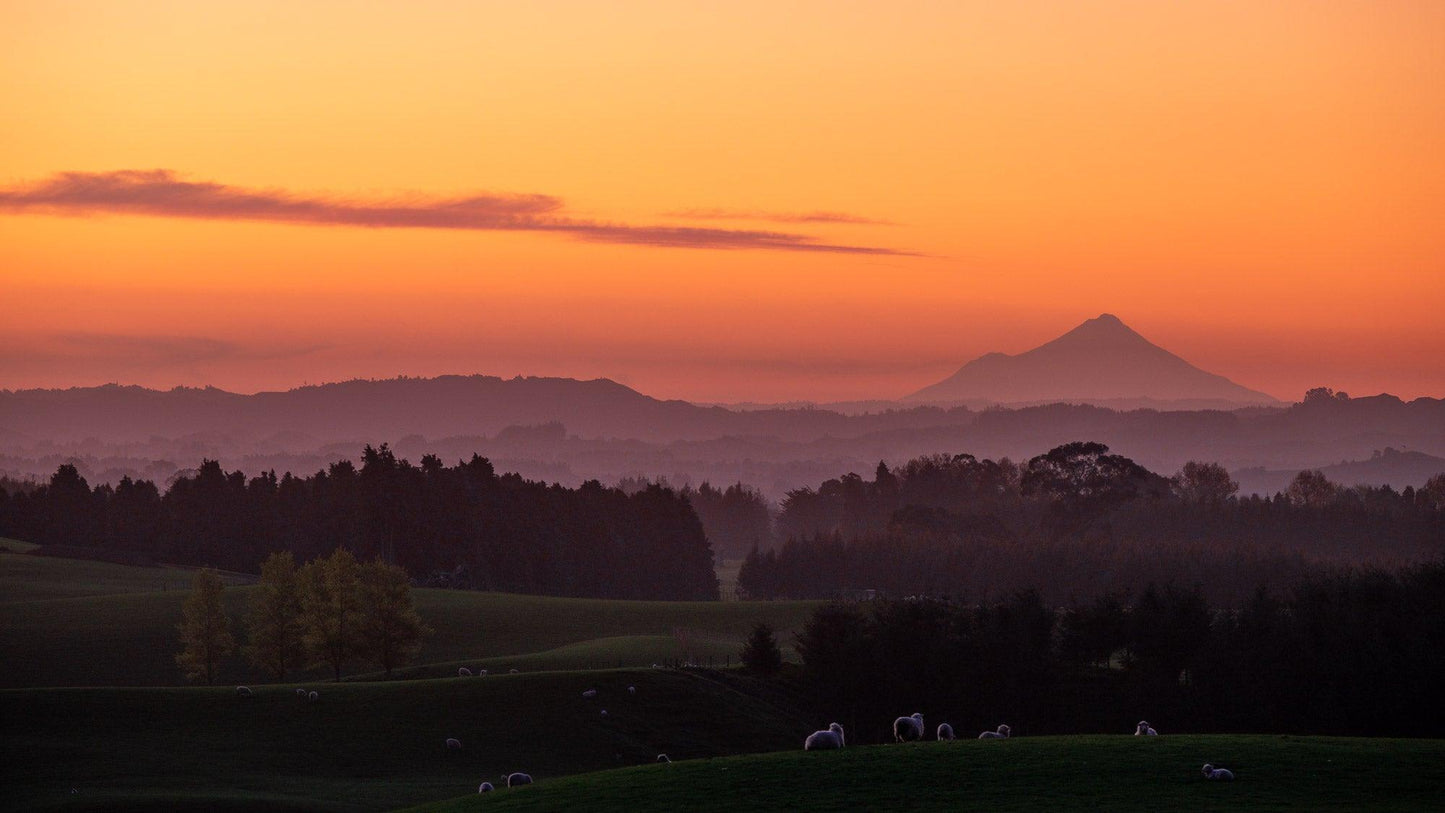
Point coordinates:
[[391, 629], [331, 610], [205, 632], [761, 654], [273, 617]]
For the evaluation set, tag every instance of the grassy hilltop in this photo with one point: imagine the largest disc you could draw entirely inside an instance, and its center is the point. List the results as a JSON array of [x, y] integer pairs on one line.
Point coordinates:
[[75, 623], [1121, 774]]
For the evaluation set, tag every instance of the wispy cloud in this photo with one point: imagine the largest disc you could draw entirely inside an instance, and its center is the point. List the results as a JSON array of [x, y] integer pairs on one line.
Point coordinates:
[[776, 217], [164, 193]]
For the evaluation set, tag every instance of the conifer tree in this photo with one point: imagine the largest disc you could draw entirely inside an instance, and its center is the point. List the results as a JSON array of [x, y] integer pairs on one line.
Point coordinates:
[[761, 654]]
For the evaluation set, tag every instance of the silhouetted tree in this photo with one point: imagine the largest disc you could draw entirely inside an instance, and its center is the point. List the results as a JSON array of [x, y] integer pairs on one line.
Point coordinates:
[[331, 610], [761, 654]]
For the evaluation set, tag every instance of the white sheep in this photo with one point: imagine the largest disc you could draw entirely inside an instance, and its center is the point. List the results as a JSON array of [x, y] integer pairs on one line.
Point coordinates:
[[604, 712], [313, 697], [1001, 734], [1145, 730], [511, 671], [908, 728], [301, 693], [454, 744], [464, 672], [663, 758], [1219, 774], [481, 673], [590, 693], [518, 779], [632, 690], [242, 691], [945, 731], [829, 740], [485, 787]]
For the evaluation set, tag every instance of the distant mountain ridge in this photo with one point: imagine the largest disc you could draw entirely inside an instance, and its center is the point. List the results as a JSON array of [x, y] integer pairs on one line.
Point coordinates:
[[1101, 361]]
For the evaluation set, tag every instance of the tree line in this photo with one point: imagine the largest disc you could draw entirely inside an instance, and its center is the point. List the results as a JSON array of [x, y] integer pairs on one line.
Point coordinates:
[[461, 526], [1079, 520], [1360, 654], [330, 613]]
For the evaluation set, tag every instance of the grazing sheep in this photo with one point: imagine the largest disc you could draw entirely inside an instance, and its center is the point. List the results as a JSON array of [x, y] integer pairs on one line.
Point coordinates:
[[485, 787], [829, 740], [301, 693], [908, 728], [663, 758], [464, 672], [1001, 734], [1145, 730], [242, 691], [313, 697], [590, 693], [1218, 774], [481, 673], [518, 779], [632, 690], [511, 671], [604, 712], [454, 744], [945, 731]]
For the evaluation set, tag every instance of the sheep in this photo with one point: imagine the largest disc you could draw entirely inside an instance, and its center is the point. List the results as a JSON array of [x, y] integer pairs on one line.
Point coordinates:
[[517, 779], [632, 690], [481, 673], [464, 672], [945, 731], [1001, 734], [511, 671], [908, 728], [454, 744], [1218, 774], [663, 758], [243, 691], [301, 693], [829, 740], [1145, 730], [604, 712], [590, 693], [313, 697], [485, 787]]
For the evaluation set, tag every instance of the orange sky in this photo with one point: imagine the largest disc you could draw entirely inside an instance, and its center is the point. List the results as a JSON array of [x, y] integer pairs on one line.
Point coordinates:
[[1258, 187]]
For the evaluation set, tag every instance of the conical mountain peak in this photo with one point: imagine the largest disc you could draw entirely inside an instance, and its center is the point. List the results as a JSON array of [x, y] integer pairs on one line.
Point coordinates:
[[1101, 360]]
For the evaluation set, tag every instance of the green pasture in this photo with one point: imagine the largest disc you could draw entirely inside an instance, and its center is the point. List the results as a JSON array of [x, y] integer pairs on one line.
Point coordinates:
[[78, 623], [366, 746], [1120, 774]]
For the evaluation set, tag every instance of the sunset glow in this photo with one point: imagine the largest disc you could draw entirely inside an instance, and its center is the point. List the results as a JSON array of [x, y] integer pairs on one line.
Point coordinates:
[[717, 201]]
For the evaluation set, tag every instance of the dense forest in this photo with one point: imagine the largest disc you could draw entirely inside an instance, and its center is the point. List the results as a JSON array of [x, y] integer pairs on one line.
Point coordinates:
[[1360, 654], [462, 525], [1079, 521]]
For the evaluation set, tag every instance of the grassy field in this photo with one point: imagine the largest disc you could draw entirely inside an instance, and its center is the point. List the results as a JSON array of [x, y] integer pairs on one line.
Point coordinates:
[[25, 578], [1114, 773], [365, 746], [76, 623]]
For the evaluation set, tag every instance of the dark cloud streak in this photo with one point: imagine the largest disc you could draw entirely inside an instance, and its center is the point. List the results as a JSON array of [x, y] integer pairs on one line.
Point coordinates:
[[163, 193]]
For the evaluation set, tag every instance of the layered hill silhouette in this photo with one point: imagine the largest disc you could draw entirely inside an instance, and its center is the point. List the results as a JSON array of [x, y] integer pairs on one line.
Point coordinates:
[[1102, 361]]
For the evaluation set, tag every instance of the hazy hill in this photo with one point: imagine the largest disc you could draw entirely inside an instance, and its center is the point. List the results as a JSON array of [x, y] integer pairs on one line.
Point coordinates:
[[1101, 360], [1387, 467], [436, 407]]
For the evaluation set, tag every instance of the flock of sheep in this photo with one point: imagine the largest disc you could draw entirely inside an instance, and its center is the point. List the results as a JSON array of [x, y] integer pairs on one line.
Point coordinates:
[[910, 729], [905, 729]]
